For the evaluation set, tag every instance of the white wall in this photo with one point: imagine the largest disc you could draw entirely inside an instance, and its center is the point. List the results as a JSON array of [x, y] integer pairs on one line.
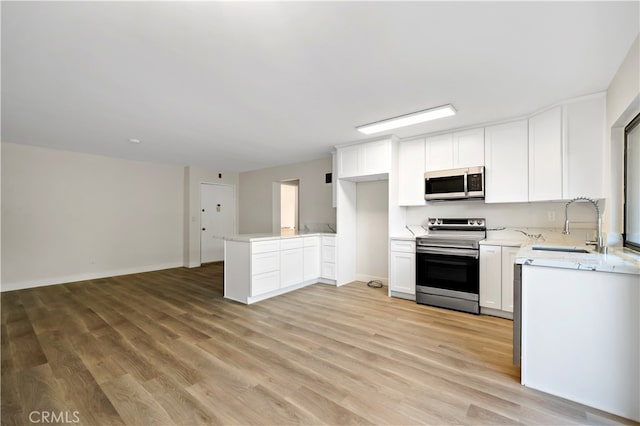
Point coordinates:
[[623, 103], [194, 176], [69, 216], [372, 236], [315, 196]]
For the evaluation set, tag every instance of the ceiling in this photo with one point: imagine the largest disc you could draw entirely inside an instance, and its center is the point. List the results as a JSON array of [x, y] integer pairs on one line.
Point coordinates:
[[238, 86]]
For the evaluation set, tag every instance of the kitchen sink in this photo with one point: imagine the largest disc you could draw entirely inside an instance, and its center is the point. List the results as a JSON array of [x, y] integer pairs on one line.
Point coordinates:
[[564, 249]]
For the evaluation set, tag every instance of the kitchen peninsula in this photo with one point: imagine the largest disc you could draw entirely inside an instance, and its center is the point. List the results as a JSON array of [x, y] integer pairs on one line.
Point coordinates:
[[581, 326], [260, 266]]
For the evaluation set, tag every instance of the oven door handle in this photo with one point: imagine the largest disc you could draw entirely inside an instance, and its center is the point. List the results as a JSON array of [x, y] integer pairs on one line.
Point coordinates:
[[451, 252]]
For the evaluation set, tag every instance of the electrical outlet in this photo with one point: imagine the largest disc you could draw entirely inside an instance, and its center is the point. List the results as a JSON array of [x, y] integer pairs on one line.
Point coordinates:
[[551, 216]]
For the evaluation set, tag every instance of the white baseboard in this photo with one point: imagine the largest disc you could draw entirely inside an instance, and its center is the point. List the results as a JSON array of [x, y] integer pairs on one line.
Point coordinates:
[[496, 313], [366, 278], [20, 285], [403, 295]]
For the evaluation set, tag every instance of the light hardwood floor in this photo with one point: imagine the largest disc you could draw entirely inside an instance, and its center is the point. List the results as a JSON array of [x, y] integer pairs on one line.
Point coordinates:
[[165, 348]]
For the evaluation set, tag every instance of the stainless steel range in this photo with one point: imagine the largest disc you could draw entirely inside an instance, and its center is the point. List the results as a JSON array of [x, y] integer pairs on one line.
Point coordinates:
[[448, 264]]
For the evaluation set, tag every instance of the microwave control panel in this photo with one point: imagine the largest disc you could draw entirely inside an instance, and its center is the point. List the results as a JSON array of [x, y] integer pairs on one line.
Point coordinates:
[[474, 182]]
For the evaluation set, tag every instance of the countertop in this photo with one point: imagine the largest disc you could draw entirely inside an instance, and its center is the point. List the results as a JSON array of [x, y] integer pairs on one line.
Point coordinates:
[[503, 242], [273, 236], [618, 260]]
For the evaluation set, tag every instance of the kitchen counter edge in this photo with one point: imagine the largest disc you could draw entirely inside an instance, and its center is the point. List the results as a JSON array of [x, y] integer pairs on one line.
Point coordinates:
[[616, 261], [247, 238]]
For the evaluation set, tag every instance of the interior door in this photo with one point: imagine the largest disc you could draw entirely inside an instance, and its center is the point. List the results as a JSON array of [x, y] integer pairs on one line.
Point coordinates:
[[217, 219]]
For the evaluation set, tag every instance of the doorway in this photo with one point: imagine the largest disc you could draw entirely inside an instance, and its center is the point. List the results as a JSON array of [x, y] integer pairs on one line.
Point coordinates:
[[217, 219], [289, 191]]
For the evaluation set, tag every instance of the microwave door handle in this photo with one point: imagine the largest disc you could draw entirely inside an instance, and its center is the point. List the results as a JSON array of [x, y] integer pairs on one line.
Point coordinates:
[[466, 188]]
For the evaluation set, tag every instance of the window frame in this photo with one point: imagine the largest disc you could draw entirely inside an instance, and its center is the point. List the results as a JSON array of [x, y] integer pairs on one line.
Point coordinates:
[[635, 122]]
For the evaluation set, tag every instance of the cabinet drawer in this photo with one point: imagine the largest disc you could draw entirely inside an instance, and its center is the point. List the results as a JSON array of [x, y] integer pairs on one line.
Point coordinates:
[[291, 243], [328, 241], [329, 270], [328, 254], [311, 241], [403, 246], [265, 246], [264, 283], [265, 262]]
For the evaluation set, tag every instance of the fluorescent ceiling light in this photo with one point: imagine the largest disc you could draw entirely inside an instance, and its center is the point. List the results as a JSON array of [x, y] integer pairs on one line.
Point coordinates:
[[408, 119]]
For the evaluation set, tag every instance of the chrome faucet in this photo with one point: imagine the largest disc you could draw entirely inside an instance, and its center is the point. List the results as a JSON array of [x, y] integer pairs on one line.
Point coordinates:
[[598, 242]]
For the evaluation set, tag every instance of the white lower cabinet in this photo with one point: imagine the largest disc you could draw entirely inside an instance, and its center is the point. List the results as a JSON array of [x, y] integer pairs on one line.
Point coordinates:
[[508, 260], [328, 270], [496, 279], [291, 267], [402, 268], [264, 283], [311, 258], [257, 270]]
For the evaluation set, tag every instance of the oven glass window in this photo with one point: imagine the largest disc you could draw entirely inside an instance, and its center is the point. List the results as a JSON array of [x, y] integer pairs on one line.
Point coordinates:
[[444, 185], [457, 273]]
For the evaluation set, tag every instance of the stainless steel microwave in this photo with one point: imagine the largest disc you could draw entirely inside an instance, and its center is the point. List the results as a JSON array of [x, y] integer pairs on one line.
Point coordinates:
[[454, 184]]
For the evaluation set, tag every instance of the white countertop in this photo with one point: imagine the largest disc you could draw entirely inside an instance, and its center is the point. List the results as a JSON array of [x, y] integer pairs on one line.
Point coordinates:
[[618, 260], [502, 242], [273, 236]]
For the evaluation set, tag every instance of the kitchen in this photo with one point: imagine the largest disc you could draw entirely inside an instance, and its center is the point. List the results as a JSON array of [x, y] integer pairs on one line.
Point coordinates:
[[460, 255], [113, 126]]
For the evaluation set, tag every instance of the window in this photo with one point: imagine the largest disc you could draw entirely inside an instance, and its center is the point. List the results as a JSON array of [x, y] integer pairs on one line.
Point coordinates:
[[631, 236]]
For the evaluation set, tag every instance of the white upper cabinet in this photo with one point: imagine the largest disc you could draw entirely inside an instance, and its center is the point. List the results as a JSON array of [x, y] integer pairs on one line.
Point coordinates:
[[583, 157], [366, 160], [439, 152], [349, 161], [468, 148], [545, 155], [455, 150], [506, 163], [411, 173]]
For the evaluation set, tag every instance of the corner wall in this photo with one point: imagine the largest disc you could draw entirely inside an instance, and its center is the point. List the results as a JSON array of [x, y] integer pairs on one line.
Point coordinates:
[[315, 196], [69, 216]]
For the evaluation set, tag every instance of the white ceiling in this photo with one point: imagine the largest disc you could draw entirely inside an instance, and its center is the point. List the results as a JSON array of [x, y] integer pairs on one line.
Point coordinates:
[[240, 86]]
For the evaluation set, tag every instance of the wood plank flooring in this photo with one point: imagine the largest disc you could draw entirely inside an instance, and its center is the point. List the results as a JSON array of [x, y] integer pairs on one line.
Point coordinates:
[[165, 348]]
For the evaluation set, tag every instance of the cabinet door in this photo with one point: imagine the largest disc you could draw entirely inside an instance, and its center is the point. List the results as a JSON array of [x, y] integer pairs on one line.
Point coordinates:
[[264, 283], [411, 173], [545, 155], [583, 159], [311, 262], [506, 163], [468, 148], [328, 254], [328, 271], [439, 152], [491, 277], [508, 260], [291, 267], [376, 158], [348, 161], [403, 272], [265, 262]]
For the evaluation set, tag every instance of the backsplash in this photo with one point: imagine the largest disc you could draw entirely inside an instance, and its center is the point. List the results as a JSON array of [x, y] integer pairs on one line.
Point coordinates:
[[543, 215]]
